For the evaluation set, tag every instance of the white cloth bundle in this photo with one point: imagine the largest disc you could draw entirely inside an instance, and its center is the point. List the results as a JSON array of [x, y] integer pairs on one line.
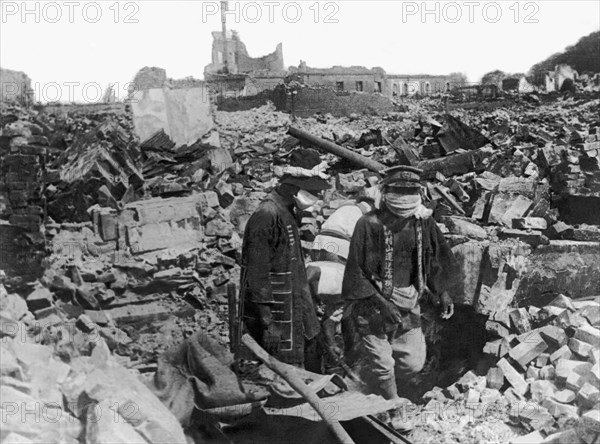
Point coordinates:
[[317, 171]]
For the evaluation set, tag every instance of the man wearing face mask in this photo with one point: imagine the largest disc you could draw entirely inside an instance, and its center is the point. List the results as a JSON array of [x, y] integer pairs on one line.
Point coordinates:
[[276, 304], [396, 254]]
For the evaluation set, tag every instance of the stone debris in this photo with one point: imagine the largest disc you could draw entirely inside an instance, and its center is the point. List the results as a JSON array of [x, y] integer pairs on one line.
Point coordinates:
[[132, 246], [69, 374], [537, 382]]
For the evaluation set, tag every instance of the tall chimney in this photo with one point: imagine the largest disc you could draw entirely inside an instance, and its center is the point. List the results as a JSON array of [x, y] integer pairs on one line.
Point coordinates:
[[224, 31]]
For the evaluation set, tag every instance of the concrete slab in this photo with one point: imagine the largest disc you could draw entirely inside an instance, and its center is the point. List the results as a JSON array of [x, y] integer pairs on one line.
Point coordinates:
[[566, 267], [184, 114]]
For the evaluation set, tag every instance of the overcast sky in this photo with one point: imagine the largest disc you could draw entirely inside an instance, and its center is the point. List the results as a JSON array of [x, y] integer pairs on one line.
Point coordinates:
[[70, 48]]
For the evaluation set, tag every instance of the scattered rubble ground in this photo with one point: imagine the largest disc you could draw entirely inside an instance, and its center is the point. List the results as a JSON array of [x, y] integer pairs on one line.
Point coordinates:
[[116, 249]]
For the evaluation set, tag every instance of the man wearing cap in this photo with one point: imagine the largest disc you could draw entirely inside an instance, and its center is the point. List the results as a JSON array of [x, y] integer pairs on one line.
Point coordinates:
[[276, 305], [397, 252]]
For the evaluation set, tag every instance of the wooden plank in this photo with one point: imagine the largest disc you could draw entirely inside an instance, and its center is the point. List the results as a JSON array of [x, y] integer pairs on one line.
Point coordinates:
[[298, 385]]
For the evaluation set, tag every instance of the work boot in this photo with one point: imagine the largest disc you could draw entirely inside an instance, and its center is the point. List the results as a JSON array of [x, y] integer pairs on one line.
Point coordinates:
[[387, 388], [401, 419]]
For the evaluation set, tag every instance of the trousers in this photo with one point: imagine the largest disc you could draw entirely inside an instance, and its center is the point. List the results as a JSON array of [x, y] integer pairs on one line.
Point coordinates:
[[399, 354]]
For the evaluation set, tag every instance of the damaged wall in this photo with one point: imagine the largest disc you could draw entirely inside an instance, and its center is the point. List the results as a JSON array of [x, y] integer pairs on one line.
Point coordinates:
[[340, 78], [361, 79], [562, 73], [15, 86], [148, 78], [245, 76], [242, 85], [565, 267], [184, 114], [309, 101], [270, 62], [517, 84], [156, 224], [423, 84], [237, 58]]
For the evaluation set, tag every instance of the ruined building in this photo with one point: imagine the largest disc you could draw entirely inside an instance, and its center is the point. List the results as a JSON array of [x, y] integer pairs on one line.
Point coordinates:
[[374, 80], [231, 52], [553, 80], [517, 83], [422, 84], [15, 86], [340, 78], [233, 72]]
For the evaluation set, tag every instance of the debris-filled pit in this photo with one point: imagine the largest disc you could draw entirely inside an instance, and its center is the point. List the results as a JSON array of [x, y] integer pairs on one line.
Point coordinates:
[[120, 262]]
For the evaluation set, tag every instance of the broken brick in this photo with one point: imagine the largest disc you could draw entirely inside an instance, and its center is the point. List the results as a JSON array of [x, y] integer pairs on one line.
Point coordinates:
[[558, 409], [520, 320], [527, 351], [537, 419], [567, 319], [489, 395], [518, 207], [565, 367], [532, 373], [554, 336], [562, 353], [542, 360], [40, 298], [591, 313], [513, 377], [497, 329], [453, 392], [497, 348], [594, 375], [471, 381], [579, 347], [562, 301], [588, 395], [548, 372], [517, 185], [495, 378], [541, 390], [589, 334], [530, 223], [219, 228], [591, 419], [533, 238]]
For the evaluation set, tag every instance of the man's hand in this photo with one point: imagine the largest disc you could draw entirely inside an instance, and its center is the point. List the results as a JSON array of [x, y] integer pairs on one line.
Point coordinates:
[[272, 339], [447, 305], [336, 352]]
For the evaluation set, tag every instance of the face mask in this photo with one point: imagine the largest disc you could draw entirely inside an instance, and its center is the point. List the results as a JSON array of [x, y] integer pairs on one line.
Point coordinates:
[[304, 199], [402, 200], [402, 205]]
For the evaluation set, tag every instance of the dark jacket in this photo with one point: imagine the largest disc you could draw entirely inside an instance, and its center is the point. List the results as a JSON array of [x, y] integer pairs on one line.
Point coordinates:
[[273, 273], [366, 256]]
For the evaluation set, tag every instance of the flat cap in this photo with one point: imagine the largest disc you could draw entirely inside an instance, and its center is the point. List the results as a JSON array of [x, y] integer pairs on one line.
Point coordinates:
[[402, 176]]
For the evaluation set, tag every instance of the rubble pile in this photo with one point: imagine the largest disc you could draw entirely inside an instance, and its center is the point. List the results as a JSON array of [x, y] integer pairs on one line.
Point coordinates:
[[140, 240], [539, 372], [65, 376], [98, 167]]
